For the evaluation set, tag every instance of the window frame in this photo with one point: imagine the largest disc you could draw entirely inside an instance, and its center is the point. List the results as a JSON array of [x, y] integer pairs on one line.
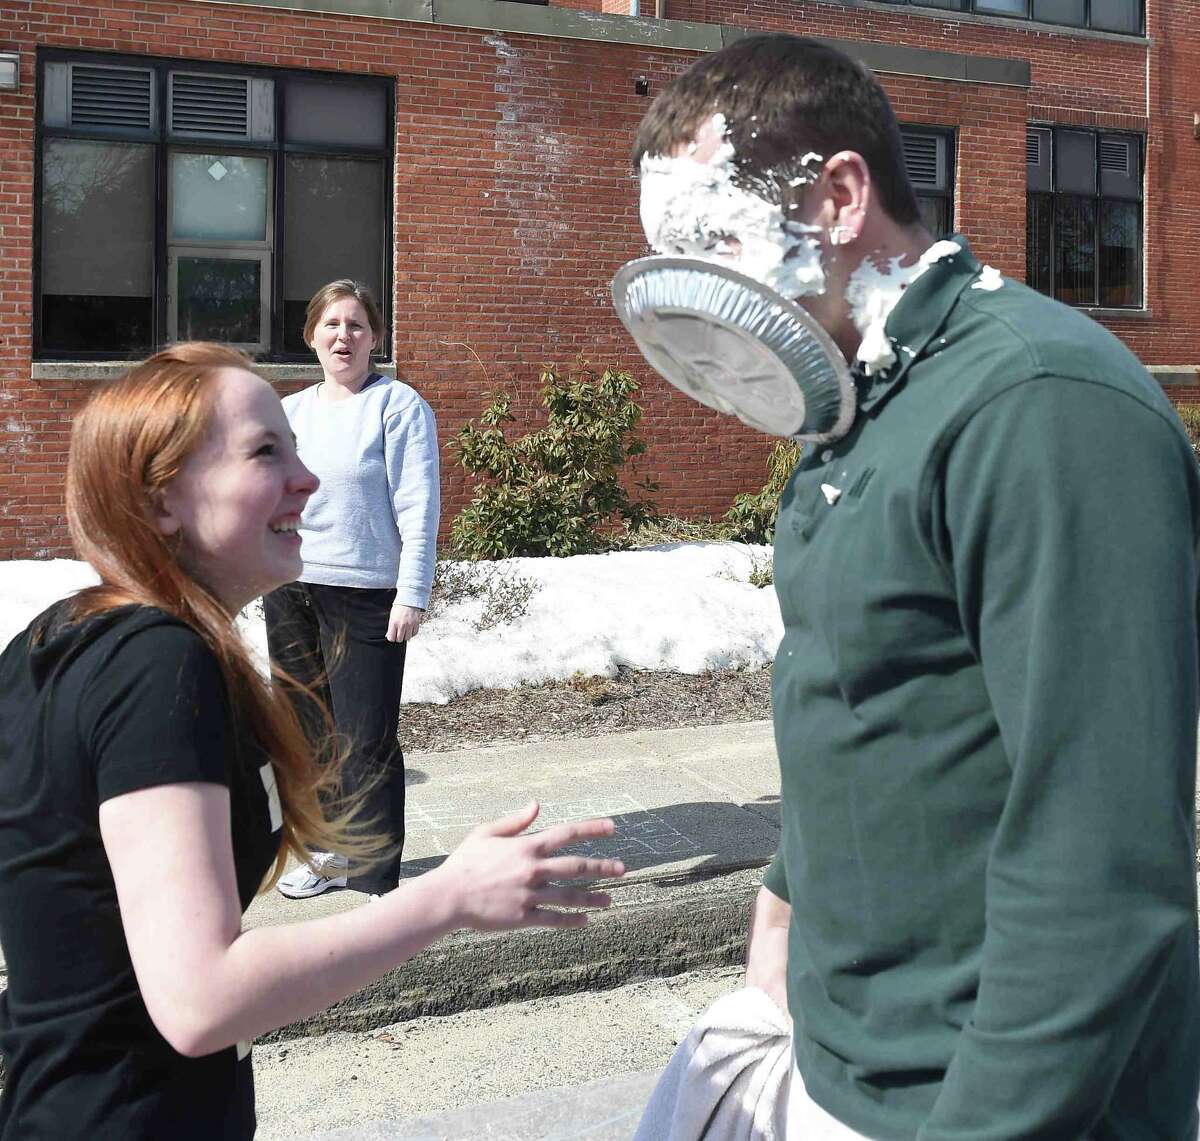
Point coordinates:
[[950, 137], [1098, 197], [225, 252], [972, 7], [159, 137]]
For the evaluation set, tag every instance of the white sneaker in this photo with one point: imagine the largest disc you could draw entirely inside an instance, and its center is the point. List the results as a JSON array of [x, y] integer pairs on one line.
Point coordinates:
[[323, 871]]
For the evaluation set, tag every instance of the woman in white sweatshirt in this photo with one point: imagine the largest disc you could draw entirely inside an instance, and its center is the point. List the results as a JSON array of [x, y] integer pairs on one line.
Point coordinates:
[[369, 539]]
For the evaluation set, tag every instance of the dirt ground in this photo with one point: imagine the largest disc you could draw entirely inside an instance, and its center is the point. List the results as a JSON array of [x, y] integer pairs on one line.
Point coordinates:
[[588, 707]]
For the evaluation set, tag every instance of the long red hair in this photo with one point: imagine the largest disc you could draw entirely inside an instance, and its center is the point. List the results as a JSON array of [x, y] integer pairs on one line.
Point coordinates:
[[127, 445]]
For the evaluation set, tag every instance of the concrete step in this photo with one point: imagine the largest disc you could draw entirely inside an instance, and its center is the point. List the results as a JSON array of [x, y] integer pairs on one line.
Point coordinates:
[[580, 1065]]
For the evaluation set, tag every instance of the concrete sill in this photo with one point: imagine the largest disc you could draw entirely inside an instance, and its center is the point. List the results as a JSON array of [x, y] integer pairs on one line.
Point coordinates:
[[1117, 314], [1173, 374]]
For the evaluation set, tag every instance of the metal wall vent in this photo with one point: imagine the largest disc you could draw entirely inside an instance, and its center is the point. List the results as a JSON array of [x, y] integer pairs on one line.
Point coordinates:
[[1033, 148], [924, 160], [113, 97], [210, 105], [1115, 155]]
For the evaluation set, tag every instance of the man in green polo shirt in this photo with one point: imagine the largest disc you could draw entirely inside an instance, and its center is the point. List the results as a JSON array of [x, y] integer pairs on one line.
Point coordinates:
[[986, 696]]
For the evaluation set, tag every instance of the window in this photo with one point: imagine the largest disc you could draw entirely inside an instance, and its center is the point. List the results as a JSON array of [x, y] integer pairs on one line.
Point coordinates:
[[1126, 16], [200, 202], [929, 159], [1084, 216]]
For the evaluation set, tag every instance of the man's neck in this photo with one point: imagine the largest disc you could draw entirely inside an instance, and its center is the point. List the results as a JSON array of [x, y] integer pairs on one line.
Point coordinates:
[[882, 244]]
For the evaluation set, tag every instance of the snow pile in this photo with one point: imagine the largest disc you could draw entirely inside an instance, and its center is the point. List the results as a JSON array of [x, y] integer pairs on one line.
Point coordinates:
[[687, 607]]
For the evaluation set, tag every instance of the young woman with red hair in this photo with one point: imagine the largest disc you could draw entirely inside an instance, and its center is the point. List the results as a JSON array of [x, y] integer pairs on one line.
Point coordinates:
[[151, 782]]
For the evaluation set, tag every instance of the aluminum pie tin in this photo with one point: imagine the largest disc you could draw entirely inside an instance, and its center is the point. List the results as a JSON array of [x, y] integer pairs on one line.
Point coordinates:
[[709, 330]]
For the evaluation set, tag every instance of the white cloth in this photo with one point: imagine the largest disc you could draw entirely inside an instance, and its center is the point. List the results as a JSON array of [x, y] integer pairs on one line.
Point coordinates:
[[729, 1078], [807, 1121]]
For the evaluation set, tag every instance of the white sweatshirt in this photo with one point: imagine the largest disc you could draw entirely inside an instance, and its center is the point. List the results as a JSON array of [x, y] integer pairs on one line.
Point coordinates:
[[373, 521]]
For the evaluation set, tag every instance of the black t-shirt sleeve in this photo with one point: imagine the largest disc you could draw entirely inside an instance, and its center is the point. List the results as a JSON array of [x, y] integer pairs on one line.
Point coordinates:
[[157, 712]]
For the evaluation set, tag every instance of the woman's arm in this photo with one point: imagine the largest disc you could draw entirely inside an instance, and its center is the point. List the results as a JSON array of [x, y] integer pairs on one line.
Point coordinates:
[[207, 985], [411, 457]]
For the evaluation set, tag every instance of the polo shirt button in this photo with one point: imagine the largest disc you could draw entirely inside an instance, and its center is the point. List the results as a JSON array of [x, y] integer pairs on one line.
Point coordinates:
[[826, 455]]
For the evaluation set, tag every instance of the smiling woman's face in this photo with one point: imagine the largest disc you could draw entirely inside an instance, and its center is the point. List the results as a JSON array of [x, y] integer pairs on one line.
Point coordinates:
[[343, 341], [237, 499]]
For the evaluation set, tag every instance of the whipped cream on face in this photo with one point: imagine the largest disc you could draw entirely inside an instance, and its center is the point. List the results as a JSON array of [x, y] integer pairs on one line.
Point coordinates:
[[694, 209], [873, 292]]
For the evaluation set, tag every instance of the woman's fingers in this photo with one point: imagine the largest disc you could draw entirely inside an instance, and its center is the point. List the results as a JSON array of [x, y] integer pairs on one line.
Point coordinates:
[[569, 897], [541, 915], [560, 835], [578, 868], [514, 823]]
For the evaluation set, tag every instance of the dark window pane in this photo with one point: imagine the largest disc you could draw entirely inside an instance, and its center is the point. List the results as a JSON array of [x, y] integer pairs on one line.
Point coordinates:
[[97, 247], [219, 299], [1120, 254], [1075, 162], [935, 214], [97, 324], [1039, 249], [1060, 12], [333, 227], [1005, 7], [1117, 15], [339, 114], [1075, 250]]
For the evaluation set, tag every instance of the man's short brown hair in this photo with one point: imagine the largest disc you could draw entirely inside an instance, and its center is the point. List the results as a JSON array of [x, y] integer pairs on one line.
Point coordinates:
[[782, 97]]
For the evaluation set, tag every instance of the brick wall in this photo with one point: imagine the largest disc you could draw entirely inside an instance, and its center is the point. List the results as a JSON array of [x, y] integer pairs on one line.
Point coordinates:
[[514, 201], [1116, 83]]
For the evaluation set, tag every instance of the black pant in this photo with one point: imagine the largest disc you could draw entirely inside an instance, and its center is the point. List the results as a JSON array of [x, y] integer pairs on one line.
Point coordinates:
[[333, 638]]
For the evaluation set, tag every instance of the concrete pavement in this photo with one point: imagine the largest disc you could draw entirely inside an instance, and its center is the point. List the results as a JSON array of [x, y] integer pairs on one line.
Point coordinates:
[[697, 815], [564, 1067]]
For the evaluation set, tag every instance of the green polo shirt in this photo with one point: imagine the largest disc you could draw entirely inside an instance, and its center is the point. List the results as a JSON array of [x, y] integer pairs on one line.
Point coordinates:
[[985, 710]]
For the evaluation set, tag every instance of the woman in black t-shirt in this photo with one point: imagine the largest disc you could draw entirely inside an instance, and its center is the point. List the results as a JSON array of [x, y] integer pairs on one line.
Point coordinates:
[[151, 782]]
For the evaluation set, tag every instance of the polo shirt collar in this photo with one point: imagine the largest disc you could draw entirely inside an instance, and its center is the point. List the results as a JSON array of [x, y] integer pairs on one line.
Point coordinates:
[[918, 316]]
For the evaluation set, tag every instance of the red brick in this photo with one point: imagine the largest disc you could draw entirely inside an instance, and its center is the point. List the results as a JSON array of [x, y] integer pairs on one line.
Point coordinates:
[[508, 228]]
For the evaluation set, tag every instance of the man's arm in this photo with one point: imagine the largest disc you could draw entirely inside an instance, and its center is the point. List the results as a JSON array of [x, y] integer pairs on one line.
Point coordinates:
[[767, 945], [1066, 511]]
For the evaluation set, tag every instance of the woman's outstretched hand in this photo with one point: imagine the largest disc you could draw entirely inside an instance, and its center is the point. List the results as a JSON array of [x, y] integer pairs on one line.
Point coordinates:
[[499, 879]]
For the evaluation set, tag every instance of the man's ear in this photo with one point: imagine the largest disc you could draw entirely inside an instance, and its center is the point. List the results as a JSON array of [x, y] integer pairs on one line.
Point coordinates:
[[850, 195]]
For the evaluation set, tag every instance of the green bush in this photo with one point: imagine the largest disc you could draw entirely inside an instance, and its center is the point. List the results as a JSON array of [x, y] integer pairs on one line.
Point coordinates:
[[752, 516], [1190, 415], [557, 490]]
